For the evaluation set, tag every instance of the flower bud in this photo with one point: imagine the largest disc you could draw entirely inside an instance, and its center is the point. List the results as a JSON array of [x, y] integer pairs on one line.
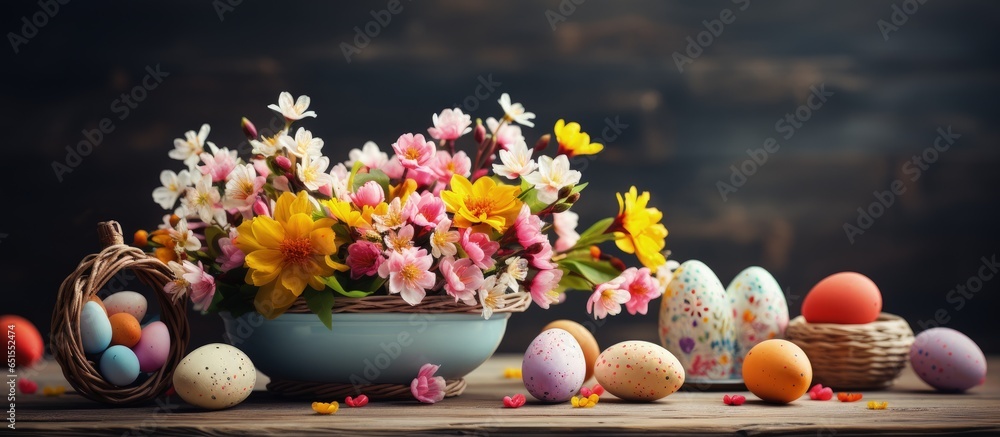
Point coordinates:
[[479, 133], [326, 190], [561, 207], [564, 192], [248, 128], [595, 252], [140, 239], [283, 162], [260, 207], [479, 173], [573, 198], [618, 264], [174, 220], [542, 143]]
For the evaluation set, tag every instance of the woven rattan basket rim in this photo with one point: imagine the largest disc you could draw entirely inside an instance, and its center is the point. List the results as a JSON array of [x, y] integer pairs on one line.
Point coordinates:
[[93, 272], [509, 303], [885, 322]]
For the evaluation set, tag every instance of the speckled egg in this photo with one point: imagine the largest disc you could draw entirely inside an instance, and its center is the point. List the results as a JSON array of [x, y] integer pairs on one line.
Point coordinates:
[[777, 371], [95, 328], [696, 322], [554, 367], [215, 376], [948, 360], [583, 336], [639, 371], [760, 311], [126, 302], [125, 329]]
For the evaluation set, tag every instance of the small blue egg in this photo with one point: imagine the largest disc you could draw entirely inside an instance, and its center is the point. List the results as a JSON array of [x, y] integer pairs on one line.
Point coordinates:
[[95, 328], [119, 365]]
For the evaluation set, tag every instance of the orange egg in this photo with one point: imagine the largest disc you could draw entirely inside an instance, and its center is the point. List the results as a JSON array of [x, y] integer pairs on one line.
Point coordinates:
[[777, 371], [845, 298], [125, 329], [587, 341], [100, 302]]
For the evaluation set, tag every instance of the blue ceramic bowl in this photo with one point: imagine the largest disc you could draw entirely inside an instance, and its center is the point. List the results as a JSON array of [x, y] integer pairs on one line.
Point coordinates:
[[372, 348]]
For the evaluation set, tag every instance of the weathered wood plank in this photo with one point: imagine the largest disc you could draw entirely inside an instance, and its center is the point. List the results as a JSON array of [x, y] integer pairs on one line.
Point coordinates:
[[913, 409]]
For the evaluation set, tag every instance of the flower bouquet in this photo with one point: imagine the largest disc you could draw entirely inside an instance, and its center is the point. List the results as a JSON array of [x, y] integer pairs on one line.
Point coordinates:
[[283, 227]]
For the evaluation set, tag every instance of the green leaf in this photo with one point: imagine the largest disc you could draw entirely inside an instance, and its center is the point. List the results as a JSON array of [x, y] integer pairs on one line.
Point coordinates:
[[212, 236], [596, 233], [334, 284], [321, 303], [597, 272], [572, 281], [373, 175], [579, 187]]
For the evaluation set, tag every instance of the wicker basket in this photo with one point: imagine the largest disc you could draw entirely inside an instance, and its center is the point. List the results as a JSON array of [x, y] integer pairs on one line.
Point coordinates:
[[859, 357], [88, 278]]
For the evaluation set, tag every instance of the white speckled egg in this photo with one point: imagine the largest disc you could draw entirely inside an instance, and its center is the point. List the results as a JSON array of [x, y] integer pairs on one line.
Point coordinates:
[[696, 322], [215, 376], [639, 371], [948, 360], [554, 367], [760, 308], [126, 302]]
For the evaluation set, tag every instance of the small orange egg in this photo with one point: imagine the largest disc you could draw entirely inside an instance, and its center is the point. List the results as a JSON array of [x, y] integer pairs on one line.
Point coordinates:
[[777, 371], [125, 329], [845, 298], [587, 341]]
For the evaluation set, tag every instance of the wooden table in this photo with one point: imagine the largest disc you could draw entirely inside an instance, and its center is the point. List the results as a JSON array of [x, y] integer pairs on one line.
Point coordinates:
[[913, 409]]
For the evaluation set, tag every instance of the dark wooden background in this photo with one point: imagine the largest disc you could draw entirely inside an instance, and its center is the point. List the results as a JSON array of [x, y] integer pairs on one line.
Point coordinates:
[[607, 60]]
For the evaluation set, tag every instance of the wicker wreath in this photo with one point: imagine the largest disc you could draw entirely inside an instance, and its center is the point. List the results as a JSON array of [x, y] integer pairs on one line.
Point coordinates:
[[89, 277], [509, 303], [865, 357]]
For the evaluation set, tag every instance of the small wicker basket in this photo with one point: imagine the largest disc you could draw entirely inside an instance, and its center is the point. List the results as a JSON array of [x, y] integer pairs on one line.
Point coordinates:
[[860, 357], [88, 278]]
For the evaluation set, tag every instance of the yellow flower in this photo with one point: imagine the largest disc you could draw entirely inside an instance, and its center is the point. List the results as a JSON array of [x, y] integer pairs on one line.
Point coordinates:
[[483, 204], [325, 408], [346, 213], [512, 373], [572, 142], [877, 405], [638, 229], [287, 252], [585, 402], [402, 191]]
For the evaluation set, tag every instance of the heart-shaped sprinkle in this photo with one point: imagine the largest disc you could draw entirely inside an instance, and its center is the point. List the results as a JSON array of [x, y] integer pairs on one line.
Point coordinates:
[[357, 402], [513, 402], [734, 400]]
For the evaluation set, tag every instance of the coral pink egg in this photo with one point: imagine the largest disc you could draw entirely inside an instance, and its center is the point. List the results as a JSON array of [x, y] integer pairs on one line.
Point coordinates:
[[845, 298]]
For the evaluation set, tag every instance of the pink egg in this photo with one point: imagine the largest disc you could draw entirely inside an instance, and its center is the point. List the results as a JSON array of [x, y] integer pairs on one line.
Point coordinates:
[[153, 347], [948, 360], [554, 367]]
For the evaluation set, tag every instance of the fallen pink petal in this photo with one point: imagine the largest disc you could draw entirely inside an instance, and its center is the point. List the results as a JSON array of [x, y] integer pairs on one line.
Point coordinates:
[[426, 387]]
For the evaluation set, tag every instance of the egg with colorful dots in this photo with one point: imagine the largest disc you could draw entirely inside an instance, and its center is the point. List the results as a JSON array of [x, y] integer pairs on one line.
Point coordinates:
[[948, 360], [554, 366], [760, 311], [696, 323], [215, 376], [639, 371]]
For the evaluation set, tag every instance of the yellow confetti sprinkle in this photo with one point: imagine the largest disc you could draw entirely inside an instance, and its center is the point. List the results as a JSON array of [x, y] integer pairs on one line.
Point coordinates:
[[512, 373], [57, 390], [878, 405], [325, 408], [585, 402]]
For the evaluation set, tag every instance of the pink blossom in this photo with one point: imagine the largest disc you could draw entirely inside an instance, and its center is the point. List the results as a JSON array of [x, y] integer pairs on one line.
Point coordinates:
[[399, 241], [413, 151], [218, 164], [428, 209], [393, 168], [426, 387], [542, 286], [326, 190], [280, 183], [423, 176], [369, 155], [409, 274], [565, 224], [364, 258], [450, 125], [283, 162], [443, 239], [260, 207], [541, 254], [642, 288], [462, 279], [369, 194], [507, 135], [261, 166], [479, 247], [231, 257], [528, 227], [445, 165], [608, 299], [202, 285]]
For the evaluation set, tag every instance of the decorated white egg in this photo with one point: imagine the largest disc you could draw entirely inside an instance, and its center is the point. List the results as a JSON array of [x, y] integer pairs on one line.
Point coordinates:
[[760, 311], [639, 371], [126, 302], [554, 366], [696, 322], [215, 376]]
